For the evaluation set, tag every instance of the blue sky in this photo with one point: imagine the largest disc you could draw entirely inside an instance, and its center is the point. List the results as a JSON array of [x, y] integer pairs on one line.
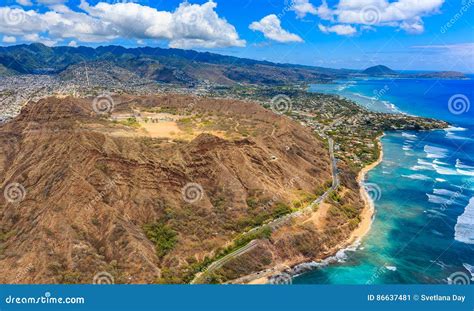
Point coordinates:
[[402, 34]]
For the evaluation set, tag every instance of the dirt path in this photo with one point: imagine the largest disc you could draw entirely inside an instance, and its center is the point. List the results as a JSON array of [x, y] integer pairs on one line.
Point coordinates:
[[319, 217]]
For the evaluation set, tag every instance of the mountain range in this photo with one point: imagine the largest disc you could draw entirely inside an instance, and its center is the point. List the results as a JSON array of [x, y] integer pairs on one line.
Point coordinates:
[[186, 67]]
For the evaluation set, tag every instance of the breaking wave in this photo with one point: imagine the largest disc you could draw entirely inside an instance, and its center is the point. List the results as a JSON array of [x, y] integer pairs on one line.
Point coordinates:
[[464, 228], [435, 152]]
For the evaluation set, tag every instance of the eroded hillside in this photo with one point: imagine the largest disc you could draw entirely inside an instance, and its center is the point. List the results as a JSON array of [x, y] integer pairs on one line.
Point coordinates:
[[145, 191]]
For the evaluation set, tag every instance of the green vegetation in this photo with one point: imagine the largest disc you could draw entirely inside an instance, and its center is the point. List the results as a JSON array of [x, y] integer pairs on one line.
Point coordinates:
[[70, 277], [242, 240], [132, 122], [162, 236], [252, 202], [334, 196], [260, 216], [6, 235], [280, 210], [262, 233], [101, 166], [306, 199], [170, 110]]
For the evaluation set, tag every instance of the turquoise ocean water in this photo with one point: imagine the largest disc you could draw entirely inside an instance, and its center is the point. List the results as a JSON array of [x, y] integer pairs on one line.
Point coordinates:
[[423, 190]]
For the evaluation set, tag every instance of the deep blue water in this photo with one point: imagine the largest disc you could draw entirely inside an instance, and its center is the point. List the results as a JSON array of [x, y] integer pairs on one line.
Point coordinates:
[[423, 190]]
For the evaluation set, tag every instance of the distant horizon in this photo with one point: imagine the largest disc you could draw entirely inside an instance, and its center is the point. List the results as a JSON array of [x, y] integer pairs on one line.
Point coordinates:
[[431, 35], [230, 55]]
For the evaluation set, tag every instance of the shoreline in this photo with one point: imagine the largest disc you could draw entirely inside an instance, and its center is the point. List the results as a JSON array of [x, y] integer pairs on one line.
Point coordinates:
[[369, 206], [367, 217]]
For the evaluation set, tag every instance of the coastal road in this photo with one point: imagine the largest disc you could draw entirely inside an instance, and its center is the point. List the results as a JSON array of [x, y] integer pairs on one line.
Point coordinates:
[[201, 277]]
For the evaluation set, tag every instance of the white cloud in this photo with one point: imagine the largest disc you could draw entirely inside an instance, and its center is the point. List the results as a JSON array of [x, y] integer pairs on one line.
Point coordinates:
[[404, 14], [190, 25], [24, 2], [414, 26], [34, 37], [460, 49], [303, 7], [72, 44], [270, 26], [9, 39], [51, 2], [324, 12], [343, 30]]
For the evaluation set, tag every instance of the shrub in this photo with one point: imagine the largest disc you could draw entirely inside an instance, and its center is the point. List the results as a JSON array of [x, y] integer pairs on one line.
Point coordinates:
[[280, 210], [162, 236]]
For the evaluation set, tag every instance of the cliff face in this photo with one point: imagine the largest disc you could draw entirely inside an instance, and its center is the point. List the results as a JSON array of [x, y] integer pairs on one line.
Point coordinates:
[[84, 194]]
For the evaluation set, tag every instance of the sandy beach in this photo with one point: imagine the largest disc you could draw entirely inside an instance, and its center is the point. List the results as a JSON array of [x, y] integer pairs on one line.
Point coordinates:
[[369, 209], [363, 228]]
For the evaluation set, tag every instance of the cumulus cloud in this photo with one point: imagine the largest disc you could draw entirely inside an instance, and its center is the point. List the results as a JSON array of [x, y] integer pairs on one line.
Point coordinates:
[[24, 2], [343, 30], [303, 7], [72, 44], [8, 39], [271, 28], [190, 25], [34, 37], [404, 14]]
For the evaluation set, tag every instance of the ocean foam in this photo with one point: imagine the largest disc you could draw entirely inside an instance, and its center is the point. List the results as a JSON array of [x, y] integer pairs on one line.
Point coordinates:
[[436, 161], [448, 193], [408, 136], [451, 133], [445, 170], [464, 228], [339, 257], [435, 152], [455, 129], [436, 199], [417, 177], [465, 173], [423, 165], [464, 169], [391, 107], [437, 214], [469, 268], [459, 164]]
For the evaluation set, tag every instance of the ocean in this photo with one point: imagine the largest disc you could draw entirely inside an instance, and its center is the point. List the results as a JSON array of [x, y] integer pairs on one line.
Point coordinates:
[[423, 230]]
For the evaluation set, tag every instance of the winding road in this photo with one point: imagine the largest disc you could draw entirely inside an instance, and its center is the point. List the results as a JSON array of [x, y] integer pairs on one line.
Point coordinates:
[[201, 277]]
